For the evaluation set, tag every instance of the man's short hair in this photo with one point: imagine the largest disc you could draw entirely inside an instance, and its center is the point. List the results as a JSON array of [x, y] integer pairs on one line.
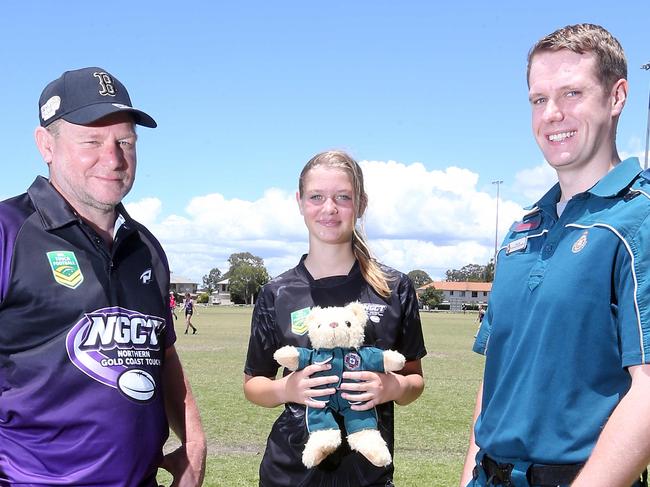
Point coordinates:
[[587, 38], [55, 128]]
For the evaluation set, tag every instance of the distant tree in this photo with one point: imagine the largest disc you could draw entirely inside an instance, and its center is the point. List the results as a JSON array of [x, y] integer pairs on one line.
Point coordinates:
[[203, 298], [419, 278], [470, 273], [489, 271], [246, 276], [240, 258], [431, 297], [211, 279]]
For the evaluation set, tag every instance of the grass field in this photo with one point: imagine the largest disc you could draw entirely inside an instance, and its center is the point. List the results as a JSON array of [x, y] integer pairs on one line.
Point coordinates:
[[431, 434]]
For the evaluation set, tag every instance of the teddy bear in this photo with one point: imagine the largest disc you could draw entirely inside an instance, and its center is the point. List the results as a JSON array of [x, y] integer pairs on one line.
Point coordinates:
[[336, 335]]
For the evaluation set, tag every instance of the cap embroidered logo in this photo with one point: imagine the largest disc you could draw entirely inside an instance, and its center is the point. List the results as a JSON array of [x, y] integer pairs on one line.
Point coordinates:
[[106, 87], [48, 110]]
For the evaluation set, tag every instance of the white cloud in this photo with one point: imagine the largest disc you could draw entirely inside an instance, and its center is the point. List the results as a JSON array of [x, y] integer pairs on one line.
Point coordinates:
[[444, 207], [146, 211], [533, 183], [640, 154], [417, 219]]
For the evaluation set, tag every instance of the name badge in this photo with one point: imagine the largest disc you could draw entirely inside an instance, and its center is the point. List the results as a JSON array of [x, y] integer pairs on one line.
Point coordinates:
[[517, 245]]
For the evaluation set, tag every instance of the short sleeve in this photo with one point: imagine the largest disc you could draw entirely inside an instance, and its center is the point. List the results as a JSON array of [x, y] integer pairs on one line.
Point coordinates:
[[632, 289], [10, 223], [412, 341], [373, 359], [263, 340], [304, 357], [483, 334]]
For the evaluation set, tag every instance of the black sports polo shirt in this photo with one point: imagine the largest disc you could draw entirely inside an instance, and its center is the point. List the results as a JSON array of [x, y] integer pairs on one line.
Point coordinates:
[[83, 330], [394, 323]]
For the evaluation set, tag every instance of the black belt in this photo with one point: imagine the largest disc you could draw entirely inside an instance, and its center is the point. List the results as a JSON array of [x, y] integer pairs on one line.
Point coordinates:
[[541, 475]]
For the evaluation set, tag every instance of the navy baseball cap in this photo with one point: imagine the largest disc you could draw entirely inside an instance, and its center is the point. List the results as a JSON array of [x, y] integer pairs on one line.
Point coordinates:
[[83, 96]]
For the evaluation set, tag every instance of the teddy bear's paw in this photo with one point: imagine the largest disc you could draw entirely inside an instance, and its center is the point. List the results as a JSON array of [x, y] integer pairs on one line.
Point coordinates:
[[372, 446], [320, 444], [287, 356], [393, 361]]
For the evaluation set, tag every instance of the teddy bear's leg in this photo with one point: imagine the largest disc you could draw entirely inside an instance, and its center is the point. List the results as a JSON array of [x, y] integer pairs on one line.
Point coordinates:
[[319, 445], [371, 445], [364, 436]]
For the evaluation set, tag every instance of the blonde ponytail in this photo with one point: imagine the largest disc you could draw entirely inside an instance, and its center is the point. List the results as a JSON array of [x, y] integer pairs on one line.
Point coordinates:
[[372, 273]]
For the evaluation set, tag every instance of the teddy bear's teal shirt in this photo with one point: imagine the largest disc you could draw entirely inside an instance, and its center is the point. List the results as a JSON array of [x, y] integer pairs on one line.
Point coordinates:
[[341, 360]]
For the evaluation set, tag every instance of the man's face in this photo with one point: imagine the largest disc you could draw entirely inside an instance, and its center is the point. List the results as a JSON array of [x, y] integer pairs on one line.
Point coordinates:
[[573, 115], [93, 166]]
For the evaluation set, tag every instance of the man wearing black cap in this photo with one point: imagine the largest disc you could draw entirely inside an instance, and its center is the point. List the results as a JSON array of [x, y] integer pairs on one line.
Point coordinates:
[[89, 377]]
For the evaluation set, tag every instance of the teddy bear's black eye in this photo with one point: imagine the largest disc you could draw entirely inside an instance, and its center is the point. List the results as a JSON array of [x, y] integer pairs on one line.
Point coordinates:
[[348, 323]]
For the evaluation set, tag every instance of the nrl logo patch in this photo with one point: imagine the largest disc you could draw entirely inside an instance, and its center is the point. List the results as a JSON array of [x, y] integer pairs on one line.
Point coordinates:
[[298, 325], [65, 268]]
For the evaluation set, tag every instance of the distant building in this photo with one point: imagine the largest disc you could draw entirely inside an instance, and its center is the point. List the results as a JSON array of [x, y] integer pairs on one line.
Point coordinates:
[[182, 285], [221, 295], [461, 292]]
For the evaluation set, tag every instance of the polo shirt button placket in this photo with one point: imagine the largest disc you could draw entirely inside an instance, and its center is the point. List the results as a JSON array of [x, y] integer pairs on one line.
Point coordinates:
[[549, 248]]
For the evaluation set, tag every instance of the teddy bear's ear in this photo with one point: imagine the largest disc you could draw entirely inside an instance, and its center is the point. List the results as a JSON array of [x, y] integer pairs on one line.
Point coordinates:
[[359, 312]]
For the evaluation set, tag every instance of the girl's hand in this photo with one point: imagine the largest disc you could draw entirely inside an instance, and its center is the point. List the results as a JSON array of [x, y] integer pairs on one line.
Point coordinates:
[[372, 389], [301, 387]]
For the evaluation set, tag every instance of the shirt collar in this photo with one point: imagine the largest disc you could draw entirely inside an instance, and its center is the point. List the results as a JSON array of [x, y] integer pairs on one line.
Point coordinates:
[[54, 210], [619, 178], [119, 221], [616, 180], [301, 265]]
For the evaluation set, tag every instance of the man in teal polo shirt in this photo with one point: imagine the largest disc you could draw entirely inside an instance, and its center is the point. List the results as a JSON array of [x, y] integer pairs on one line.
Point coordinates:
[[565, 398]]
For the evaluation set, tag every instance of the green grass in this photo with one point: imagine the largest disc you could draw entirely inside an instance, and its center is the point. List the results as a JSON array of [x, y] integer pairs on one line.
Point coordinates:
[[431, 433]]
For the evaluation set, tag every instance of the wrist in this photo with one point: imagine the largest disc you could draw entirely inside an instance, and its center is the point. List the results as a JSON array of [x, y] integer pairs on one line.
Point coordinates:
[[410, 388], [281, 390], [399, 386]]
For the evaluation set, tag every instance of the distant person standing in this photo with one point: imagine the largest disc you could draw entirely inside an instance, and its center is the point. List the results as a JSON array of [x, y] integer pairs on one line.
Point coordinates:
[[479, 317], [172, 305], [188, 306]]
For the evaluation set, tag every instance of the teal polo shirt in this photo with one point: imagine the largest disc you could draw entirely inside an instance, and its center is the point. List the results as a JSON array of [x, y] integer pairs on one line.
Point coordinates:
[[568, 312]]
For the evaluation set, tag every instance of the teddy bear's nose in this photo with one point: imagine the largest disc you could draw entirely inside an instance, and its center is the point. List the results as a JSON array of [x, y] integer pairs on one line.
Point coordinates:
[[333, 324]]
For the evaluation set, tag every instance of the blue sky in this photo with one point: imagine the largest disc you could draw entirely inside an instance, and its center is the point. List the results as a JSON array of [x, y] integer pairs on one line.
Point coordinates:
[[246, 92]]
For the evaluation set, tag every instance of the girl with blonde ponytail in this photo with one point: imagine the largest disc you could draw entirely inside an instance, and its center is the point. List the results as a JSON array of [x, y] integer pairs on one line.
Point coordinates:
[[338, 269], [371, 271]]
